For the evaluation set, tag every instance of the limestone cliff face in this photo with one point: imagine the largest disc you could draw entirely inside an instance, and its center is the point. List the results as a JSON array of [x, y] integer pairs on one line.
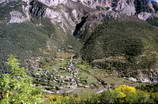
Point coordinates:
[[68, 13]]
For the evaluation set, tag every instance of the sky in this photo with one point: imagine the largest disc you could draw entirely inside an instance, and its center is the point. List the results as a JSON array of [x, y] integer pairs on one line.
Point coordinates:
[[154, 0]]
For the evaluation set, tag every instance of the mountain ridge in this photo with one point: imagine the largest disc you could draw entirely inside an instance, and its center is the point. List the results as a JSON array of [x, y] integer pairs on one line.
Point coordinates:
[[68, 13]]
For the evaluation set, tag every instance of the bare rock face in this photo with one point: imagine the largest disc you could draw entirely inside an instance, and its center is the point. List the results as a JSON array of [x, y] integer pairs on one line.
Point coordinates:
[[68, 13], [144, 15], [6, 1], [17, 17], [2, 1]]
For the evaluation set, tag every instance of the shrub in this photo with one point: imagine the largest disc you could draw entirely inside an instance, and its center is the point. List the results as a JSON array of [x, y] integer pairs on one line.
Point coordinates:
[[16, 87], [60, 99], [125, 94]]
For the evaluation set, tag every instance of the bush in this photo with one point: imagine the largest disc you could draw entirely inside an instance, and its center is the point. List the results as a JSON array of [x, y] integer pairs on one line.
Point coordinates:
[[122, 95], [16, 87], [60, 99], [125, 94]]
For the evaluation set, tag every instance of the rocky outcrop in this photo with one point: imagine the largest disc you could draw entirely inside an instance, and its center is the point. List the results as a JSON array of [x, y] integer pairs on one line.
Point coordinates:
[[143, 76], [17, 17], [7, 1], [68, 13], [144, 15]]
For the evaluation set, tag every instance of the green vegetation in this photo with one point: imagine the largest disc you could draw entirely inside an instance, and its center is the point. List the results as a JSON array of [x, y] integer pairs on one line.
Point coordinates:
[[58, 74], [121, 95], [22, 40], [149, 87], [153, 21], [19, 38], [100, 75], [122, 45], [32, 39], [5, 9], [16, 87]]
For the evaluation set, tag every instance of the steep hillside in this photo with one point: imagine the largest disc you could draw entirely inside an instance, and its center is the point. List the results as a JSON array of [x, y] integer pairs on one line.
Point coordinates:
[[123, 46], [28, 39]]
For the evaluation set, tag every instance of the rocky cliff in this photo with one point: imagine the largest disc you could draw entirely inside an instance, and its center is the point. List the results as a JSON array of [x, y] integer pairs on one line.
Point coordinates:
[[68, 13]]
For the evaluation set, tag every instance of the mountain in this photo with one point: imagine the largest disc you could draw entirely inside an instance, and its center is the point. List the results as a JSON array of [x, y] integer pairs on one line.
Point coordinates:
[[118, 35], [55, 24], [81, 47], [68, 13]]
